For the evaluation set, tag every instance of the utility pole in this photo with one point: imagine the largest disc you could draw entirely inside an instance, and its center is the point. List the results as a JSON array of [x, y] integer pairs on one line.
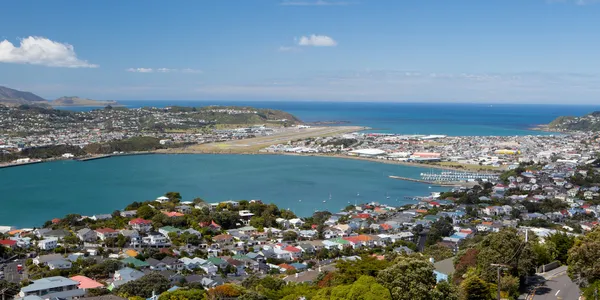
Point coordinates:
[[500, 267]]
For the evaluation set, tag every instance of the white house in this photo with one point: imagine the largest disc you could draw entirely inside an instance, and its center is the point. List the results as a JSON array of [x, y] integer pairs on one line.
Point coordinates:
[[48, 244], [59, 264], [86, 235]]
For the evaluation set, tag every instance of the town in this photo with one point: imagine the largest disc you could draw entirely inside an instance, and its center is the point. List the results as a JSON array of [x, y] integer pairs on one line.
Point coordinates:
[[165, 247], [490, 153]]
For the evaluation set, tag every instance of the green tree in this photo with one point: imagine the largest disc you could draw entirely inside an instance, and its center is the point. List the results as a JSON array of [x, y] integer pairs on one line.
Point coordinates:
[[562, 242], [143, 287], [444, 290], [348, 272], [290, 236], [365, 288], [506, 247], [183, 294], [592, 291], [474, 288], [438, 252], [10, 289], [409, 278], [146, 212], [584, 257], [173, 196]]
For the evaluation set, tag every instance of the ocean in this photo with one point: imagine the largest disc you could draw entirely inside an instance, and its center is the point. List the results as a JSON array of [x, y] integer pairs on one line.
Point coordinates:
[[411, 118], [36, 193]]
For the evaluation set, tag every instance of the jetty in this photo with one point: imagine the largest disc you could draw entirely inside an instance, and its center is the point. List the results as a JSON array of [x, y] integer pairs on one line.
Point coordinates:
[[94, 157], [10, 165]]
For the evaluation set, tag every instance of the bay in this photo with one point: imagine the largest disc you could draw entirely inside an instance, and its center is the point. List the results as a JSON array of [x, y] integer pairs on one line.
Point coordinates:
[[30, 195]]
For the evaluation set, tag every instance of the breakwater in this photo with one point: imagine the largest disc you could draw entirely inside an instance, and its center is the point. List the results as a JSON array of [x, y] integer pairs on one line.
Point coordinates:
[[436, 183]]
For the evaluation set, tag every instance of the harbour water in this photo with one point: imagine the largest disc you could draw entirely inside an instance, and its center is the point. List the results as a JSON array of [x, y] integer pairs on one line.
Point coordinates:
[[30, 195]]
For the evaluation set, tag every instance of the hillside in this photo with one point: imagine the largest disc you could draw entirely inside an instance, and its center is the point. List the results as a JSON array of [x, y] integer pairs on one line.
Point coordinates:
[[589, 122], [237, 115], [77, 101], [12, 97]]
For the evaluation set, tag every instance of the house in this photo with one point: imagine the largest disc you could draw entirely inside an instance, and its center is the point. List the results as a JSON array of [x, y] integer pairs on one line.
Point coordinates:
[[172, 214], [104, 233], [42, 260], [296, 223], [135, 262], [184, 209], [223, 239], [8, 244], [86, 235], [140, 224], [156, 240], [86, 283], [101, 217], [128, 213], [173, 263], [162, 199], [166, 230], [48, 244], [123, 276], [245, 216], [59, 264], [53, 287]]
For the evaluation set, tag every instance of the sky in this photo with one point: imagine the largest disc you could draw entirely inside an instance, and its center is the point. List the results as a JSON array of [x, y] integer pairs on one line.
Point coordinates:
[[496, 51]]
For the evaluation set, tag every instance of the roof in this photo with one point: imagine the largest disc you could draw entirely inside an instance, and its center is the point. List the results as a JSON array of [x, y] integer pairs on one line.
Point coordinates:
[[286, 266], [131, 253], [136, 262], [86, 283], [368, 151], [105, 297], [49, 283], [106, 230], [445, 266], [173, 214], [8, 242], [140, 221]]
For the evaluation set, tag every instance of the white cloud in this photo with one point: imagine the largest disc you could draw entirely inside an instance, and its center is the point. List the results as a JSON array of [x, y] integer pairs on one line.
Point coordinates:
[[140, 70], [317, 41], [313, 3], [162, 70], [41, 51]]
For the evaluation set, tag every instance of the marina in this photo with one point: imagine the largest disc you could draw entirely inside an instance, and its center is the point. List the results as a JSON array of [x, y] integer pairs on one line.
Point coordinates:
[[454, 176]]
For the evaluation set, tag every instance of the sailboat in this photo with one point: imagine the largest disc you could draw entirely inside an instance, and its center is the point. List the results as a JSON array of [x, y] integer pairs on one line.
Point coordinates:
[[329, 198], [387, 196]]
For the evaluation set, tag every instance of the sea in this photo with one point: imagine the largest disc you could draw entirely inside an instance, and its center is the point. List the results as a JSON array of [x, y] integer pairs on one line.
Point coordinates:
[[32, 194]]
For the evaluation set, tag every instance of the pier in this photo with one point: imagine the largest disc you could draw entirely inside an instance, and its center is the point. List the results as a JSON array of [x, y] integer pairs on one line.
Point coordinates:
[[10, 165], [94, 157]]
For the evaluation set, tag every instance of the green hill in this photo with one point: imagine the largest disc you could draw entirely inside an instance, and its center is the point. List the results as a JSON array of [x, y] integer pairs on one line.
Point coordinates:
[[589, 122]]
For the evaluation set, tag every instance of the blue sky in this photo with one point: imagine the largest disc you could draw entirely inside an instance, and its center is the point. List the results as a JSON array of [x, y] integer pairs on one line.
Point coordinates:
[[528, 51]]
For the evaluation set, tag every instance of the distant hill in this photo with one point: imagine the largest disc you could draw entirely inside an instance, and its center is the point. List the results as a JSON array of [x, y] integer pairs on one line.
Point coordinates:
[[589, 122], [77, 101], [12, 97]]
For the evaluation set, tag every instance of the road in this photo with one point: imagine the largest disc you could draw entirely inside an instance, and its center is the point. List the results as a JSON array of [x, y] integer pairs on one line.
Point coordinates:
[[10, 271], [557, 285]]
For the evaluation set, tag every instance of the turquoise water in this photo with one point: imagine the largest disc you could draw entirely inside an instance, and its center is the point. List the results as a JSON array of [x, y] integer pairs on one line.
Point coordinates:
[[33, 194]]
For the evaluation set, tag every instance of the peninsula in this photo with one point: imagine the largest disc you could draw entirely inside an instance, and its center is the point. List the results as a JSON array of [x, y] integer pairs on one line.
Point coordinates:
[[589, 122], [77, 101]]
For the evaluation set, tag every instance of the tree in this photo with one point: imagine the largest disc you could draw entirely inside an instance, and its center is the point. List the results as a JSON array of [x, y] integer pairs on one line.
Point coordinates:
[[145, 212], [583, 259], [438, 252], [440, 228], [348, 272], [474, 288], [592, 291], [505, 247], [145, 286], [444, 290], [290, 236], [365, 288], [173, 196], [562, 243], [409, 278], [225, 291], [183, 294], [10, 289]]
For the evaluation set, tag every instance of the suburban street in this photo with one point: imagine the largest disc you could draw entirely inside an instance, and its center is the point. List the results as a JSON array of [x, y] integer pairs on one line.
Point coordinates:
[[557, 285]]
